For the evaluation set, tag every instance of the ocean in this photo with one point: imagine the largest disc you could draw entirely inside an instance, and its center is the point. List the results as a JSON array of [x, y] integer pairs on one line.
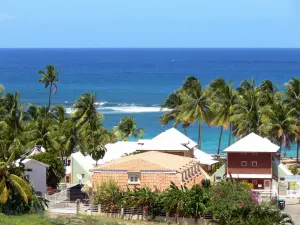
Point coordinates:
[[134, 82]]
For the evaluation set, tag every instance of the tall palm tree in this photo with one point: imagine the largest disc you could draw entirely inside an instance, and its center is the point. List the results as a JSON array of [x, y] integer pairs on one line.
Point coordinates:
[[172, 103], [94, 143], [246, 116], [49, 78], [281, 120], [85, 111], [224, 97], [59, 113], [293, 98], [195, 106], [68, 137], [127, 128], [43, 131], [10, 182]]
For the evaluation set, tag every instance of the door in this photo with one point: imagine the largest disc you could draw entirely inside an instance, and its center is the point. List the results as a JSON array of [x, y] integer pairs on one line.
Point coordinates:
[[267, 184]]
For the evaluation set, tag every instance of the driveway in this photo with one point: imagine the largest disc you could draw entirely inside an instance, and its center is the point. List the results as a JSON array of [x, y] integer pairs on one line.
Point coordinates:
[[292, 207]]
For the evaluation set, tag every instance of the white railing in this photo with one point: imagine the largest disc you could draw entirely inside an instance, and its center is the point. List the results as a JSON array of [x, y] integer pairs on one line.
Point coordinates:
[[58, 197], [293, 193]]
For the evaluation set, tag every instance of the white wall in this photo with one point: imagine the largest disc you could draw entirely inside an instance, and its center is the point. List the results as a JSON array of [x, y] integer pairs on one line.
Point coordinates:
[[37, 176]]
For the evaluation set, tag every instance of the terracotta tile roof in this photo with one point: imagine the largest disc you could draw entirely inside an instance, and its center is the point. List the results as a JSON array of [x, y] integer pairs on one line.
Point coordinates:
[[151, 160]]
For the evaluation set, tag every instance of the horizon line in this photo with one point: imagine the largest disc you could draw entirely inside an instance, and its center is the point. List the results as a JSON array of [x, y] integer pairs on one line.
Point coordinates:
[[149, 47]]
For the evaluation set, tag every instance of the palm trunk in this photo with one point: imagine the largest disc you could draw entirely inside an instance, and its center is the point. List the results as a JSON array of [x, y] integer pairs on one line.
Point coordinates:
[[184, 129], [199, 135], [281, 139], [298, 148], [50, 93], [220, 138], [230, 130]]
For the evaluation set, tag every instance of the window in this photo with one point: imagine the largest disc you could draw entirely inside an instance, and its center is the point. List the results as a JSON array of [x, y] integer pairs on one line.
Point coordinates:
[[243, 153], [254, 182], [69, 162], [218, 178], [254, 153], [134, 178], [254, 163], [244, 163], [67, 179], [82, 175], [282, 178]]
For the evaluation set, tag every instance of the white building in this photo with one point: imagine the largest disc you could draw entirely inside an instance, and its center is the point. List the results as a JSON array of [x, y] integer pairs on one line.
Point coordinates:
[[36, 172]]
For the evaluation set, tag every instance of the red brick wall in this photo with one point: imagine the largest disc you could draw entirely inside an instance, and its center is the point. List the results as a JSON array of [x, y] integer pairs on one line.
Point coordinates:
[[264, 163], [161, 181]]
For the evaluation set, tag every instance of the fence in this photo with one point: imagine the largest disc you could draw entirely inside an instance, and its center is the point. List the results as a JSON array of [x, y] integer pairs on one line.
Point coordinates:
[[58, 197]]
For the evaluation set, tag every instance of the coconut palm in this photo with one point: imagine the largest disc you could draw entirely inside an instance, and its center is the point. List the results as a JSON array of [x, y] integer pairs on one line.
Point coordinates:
[[10, 182], [224, 97], [127, 128], [12, 113], [59, 113], [42, 131], [293, 99], [93, 142], [67, 137], [49, 78], [246, 116], [281, 121], [85, 111], [195, 106]]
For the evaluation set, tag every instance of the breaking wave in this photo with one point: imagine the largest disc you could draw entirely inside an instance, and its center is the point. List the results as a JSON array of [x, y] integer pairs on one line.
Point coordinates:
[[115, 108]]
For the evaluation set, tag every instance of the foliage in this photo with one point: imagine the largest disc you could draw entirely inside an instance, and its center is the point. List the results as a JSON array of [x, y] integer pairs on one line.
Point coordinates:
[[230, 201], [127, 128], [10, 183], [56, 169], [260, 109], [108, 194], [246, 183], [294, 170], [205, 183], [49, 78]]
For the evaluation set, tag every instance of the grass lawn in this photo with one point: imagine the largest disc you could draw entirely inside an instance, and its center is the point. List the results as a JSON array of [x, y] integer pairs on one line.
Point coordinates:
[[68, 220]]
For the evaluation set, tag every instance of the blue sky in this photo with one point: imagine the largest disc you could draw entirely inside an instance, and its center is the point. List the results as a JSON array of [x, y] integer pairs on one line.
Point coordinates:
[[149, 23]]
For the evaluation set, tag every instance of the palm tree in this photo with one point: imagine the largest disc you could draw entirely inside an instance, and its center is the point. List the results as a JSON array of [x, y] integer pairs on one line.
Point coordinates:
[[42, 131], [224, 97], [246, 116], [281, 120], [49, 78], [195, 106], [127, 128], [293, 98], [10, 182], [68, 137], [85, 111], [59, 113]]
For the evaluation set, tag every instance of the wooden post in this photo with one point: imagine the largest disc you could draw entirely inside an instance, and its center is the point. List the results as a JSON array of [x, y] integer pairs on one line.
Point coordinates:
[[77, 206], [99, 208]]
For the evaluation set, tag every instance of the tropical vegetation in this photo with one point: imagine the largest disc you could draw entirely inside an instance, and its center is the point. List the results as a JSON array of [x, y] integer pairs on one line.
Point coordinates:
[[263, 109], [227, 202], [24, 126]]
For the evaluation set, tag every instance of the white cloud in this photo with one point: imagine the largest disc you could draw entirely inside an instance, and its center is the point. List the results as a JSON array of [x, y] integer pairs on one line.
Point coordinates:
[[5, 16]]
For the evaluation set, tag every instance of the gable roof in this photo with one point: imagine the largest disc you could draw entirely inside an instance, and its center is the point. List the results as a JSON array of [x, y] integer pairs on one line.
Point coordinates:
[[253, 143], [27, 160], [114, 151], [148, 161], [171, 139], [204, 158], [81, 160]]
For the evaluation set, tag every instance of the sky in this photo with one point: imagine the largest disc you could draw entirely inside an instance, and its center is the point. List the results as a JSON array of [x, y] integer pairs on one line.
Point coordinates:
[[150, 24]]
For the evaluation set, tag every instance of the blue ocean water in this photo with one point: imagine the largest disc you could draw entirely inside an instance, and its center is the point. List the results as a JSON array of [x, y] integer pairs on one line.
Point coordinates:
[[134, 82]]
